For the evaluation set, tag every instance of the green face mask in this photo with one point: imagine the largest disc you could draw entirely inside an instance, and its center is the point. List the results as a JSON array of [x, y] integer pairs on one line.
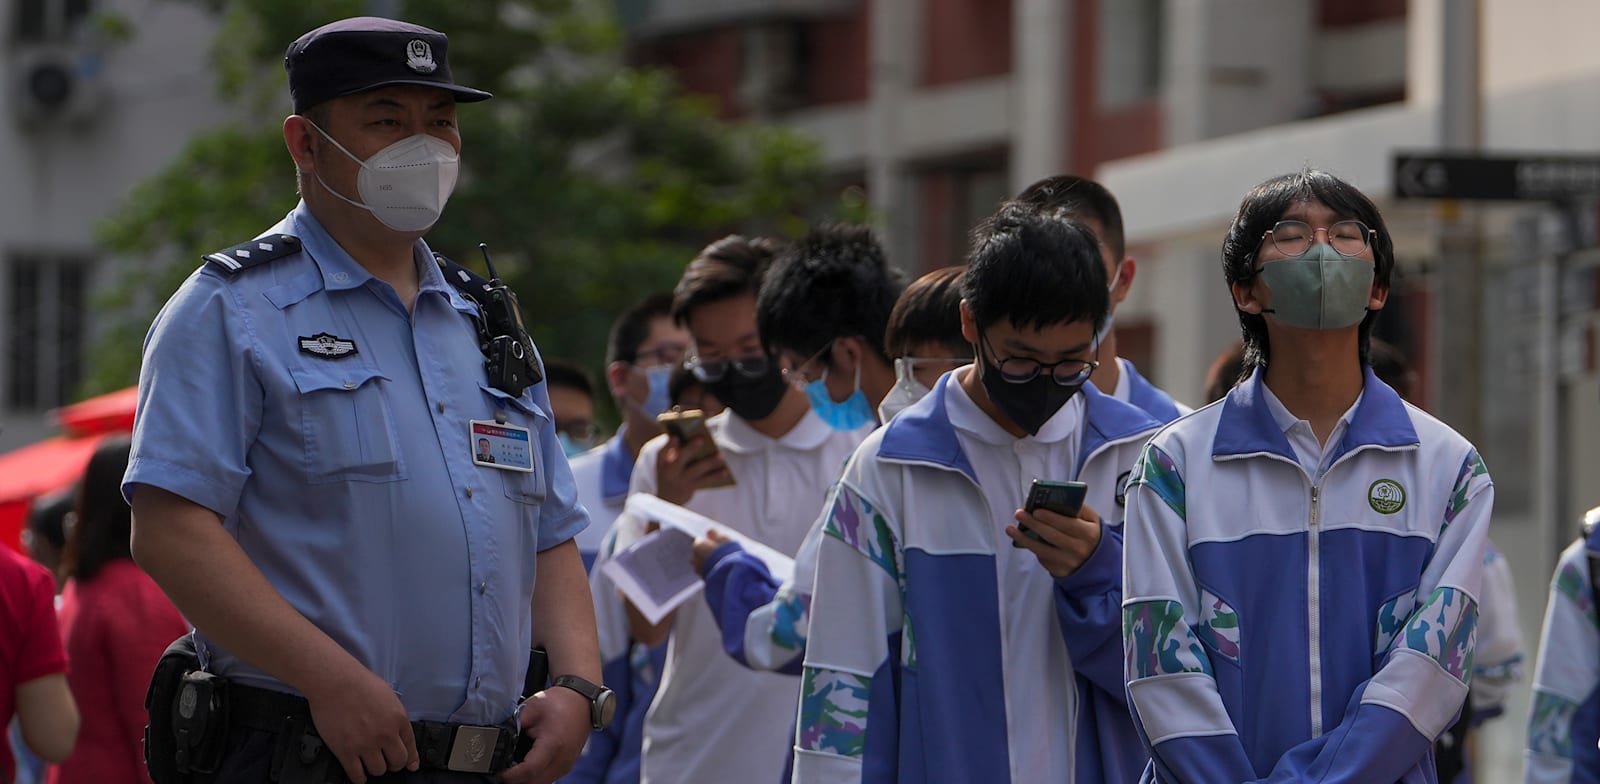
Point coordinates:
[[1319, 289]]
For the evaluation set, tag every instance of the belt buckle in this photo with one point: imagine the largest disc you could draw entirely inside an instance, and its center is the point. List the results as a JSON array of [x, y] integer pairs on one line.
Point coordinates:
[[472, 749]]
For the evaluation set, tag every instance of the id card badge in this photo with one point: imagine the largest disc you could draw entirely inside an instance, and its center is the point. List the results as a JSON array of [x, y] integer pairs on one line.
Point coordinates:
[[503, 446]]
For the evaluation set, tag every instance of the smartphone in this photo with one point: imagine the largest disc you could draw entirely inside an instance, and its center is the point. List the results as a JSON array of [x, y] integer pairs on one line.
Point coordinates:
[[1063, 498], [685, 424]]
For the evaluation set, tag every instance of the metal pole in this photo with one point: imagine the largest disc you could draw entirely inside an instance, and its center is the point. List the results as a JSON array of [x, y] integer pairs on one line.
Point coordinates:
[[1458, 275]]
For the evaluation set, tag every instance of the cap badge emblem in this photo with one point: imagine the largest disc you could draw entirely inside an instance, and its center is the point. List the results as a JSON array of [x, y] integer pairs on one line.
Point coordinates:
[[419, 56]]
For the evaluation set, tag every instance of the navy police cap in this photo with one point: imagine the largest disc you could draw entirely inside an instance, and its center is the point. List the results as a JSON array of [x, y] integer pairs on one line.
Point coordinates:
[[354, 55]]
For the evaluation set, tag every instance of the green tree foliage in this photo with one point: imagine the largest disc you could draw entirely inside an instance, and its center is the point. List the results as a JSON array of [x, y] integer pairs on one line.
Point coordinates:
[[592, 183]]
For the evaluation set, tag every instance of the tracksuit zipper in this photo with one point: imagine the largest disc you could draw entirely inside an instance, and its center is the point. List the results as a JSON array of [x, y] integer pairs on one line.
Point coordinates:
[[1314, 611]]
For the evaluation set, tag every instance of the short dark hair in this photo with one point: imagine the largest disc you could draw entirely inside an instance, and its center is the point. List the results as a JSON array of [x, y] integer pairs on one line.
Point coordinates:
[[928, 311], [1227, 370], [1391, 366], [632, 328], [834, 282], [1035, 271], [1261, 209], [105, 523], [48, 513], [560, 373], [1071, 196], [730, 267]]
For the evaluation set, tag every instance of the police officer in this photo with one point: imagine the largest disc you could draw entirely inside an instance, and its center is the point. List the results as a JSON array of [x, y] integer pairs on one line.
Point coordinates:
[[304, 482]]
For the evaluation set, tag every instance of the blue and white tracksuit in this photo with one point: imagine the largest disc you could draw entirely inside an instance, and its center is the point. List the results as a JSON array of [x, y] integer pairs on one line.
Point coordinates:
[[1280, 626], [1564, 723], [764, 623], [904, 676]]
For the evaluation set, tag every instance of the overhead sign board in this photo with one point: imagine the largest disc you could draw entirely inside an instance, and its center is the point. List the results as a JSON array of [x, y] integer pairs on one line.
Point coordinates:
[[1495, 178]]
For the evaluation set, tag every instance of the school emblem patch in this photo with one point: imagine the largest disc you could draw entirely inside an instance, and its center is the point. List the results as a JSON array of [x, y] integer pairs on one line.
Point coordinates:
[[419, 57], [1386, 496]]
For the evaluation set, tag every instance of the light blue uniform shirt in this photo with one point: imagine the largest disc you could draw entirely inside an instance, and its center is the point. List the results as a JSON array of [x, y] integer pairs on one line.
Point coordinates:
[[349, 480]]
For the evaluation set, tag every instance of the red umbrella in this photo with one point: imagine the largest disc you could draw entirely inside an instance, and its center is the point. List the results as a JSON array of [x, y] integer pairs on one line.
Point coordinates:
[[55, 463]]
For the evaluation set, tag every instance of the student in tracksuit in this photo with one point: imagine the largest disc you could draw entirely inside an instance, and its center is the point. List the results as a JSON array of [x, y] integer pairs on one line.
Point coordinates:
[[822, 312], [945, 645], [1303, 557], [1564, 723]]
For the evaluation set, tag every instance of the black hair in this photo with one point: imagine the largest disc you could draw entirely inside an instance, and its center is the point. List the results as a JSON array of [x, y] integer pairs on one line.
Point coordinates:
[[1035, 271], [559, 373], [1071, 196], [832, 283], [632, 328], [1227, 370], [928, 311], [1391, 366], [105, 524], [730, 267], [47, 515], [1262, 208]]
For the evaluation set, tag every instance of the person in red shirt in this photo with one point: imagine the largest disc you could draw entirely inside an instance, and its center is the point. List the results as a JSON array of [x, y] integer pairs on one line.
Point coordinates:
[[116, 623], [33, 667]]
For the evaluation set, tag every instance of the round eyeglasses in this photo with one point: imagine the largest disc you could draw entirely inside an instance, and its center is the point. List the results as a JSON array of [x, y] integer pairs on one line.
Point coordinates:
[[1021, 370], [1292, 237], [712, 370]]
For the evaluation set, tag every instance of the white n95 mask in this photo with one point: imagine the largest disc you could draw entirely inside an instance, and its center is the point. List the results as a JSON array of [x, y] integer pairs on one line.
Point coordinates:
[[405, 185]]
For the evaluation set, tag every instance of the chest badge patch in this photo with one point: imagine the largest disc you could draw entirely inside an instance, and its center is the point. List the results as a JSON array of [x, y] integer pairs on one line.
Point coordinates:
[[327, 346], [1386, 496]]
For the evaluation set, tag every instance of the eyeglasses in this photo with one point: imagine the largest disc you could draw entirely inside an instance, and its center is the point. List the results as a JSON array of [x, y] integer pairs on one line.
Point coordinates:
[[1021, 370], [582, 433], [797, 376], [712, 370], [1292, 237], [666, 354]]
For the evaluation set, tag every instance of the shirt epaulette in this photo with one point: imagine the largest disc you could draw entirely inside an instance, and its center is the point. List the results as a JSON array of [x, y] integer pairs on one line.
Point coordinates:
[[257, 251], [464, 280]]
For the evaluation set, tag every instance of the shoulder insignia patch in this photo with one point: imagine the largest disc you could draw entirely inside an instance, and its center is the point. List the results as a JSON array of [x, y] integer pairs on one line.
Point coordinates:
[[256, 251]]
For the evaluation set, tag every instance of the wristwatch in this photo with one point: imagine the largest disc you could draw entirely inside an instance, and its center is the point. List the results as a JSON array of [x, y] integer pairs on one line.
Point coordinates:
[[602, 702]]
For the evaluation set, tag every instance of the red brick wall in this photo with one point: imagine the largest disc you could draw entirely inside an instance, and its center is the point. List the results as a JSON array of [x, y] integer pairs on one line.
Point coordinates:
[[710, 63], [964, 39], [1344, 13], [839, 64], [1099, 134]]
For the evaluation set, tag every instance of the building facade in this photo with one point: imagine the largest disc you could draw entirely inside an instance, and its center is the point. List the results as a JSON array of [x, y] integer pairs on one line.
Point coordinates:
[[940, 108], [97, 95]]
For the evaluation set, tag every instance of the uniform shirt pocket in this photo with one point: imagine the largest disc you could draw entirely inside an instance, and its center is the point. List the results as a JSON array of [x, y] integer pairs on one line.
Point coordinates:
[[524, 487], [347, 424]]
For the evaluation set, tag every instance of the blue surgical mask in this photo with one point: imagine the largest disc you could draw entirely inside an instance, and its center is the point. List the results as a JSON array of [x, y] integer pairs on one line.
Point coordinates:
[[659, 399], [853, 413], [570, 447]]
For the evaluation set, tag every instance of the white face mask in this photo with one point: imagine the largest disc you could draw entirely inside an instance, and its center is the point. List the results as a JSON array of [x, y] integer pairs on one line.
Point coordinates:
[[406, 184], [907, 390]]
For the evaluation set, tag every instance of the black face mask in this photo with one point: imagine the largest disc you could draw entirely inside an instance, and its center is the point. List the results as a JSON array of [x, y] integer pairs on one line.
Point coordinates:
[[1029, 404], [751, 398]]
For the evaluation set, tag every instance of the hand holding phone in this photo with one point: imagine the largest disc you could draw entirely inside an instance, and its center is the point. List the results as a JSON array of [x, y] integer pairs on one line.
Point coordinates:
[[1063, 498], [697, 463]]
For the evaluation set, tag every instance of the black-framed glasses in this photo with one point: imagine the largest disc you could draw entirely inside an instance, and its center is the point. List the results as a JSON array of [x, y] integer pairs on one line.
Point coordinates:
[[1293, 237], [712, 370], [1021, 370]]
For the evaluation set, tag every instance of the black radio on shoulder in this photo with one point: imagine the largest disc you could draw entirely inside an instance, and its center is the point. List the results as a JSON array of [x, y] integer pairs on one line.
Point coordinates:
[[507, 348]]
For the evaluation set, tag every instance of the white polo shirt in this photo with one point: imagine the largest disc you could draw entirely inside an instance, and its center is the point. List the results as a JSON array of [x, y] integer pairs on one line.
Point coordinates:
[[713, 720]]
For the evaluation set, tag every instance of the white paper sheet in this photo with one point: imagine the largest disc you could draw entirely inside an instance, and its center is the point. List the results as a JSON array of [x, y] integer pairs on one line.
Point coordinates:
[[656, 574]]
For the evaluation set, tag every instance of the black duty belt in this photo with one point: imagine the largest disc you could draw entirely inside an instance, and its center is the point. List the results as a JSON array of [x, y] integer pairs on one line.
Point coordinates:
[[466, 748]]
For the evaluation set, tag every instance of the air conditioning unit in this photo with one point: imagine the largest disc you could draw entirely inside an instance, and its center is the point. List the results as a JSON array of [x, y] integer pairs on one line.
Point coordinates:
[[55, 85]]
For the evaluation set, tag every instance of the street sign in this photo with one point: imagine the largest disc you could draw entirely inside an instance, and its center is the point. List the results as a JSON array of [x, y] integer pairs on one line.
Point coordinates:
[[1495, 178]]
